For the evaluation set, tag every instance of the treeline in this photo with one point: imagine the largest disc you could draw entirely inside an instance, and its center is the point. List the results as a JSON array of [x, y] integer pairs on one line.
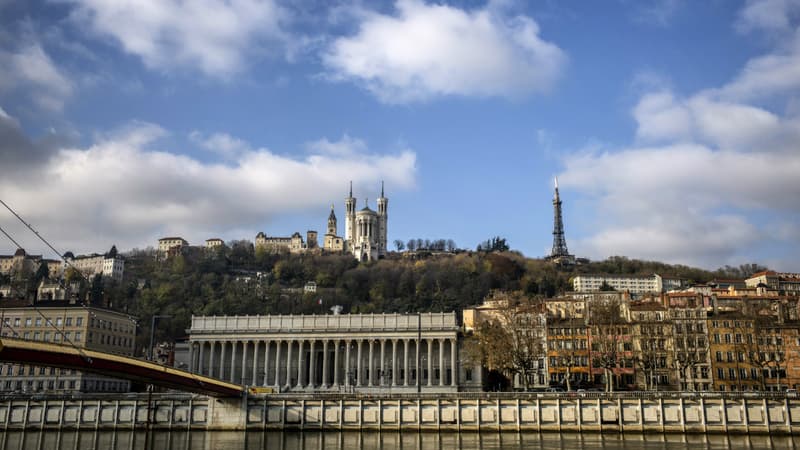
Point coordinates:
[[240, 281]]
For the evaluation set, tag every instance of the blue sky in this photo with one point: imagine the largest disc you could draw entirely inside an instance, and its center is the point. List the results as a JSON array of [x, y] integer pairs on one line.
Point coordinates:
[[673, 126]]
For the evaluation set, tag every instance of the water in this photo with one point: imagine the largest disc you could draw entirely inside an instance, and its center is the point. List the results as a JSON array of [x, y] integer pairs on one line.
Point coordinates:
[[194, 440]]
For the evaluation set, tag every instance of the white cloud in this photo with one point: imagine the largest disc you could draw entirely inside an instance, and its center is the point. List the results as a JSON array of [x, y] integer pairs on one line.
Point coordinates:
[[426, 50], [346, 146], [768, 75], [30, 68], [214, 36], [123, 190], [770, 15], [713, 176], [223, 144]]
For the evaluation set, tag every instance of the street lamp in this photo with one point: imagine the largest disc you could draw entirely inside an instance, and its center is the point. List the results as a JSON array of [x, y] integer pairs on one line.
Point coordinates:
[[152, 333]]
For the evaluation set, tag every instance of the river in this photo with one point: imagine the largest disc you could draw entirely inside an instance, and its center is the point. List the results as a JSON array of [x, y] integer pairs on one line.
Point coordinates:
[[194, 440]]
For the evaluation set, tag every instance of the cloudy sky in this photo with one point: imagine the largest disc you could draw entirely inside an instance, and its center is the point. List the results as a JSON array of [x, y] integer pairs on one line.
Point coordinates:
[[673, 125]]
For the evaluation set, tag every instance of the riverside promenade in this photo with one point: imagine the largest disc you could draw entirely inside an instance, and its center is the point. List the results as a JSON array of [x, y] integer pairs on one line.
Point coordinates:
[[644, 412]]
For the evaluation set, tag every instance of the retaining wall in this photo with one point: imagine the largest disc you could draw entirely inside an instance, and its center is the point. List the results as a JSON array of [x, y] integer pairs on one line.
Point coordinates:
[[680, 414]]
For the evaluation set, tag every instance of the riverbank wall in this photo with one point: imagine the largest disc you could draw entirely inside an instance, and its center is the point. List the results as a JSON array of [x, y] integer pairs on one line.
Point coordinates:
[[667, 413]]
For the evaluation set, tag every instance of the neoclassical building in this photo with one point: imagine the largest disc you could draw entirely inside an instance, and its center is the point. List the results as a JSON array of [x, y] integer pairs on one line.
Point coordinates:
[[349, 352], [365, 230]]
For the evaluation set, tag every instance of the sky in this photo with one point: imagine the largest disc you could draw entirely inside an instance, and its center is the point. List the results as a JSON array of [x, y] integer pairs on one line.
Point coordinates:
[[673, 126]]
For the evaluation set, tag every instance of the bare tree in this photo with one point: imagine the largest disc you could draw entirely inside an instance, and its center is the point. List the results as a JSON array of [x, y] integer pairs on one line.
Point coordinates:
[[606, 320], [511, 340], [399, 245]]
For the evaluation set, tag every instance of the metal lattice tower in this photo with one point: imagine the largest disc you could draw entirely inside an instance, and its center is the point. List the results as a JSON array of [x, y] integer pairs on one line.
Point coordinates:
[[559, 242]]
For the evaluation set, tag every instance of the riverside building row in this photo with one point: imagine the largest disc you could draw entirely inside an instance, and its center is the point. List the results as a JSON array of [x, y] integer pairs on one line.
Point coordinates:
[[702, 338]]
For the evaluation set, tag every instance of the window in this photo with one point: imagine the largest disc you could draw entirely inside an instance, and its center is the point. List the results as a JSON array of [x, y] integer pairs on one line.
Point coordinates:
[[16, 324], [69, 321], [59, 321], [79, 321], [732, 373], [742, 374], [720, 374], [719, 356], [727, 338], [28, 321], [38, 321]]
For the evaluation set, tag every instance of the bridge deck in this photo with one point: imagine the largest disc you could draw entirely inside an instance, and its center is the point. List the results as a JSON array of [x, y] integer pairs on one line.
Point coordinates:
[[117, 366]]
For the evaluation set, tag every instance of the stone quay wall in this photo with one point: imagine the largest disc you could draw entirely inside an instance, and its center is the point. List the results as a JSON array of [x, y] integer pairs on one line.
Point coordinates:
[[451, 412]]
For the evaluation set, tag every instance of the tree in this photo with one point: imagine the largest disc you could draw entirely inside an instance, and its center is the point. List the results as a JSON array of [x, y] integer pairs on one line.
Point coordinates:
[[398, 244], [511, 340], [495, 244], [411, 245], [607, 321]]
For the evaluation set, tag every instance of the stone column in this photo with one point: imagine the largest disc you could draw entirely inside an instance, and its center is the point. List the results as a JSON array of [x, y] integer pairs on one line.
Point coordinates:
[[346, 367], [192, 354], [233, 361], [222, 346], [394, 362], [430, 362], [382, 370], [300, 345], [336, 344], [211, 358], [254, 378], [453, 368], [312, 363], [266, 363], [277, 363], [325, 363], [358, 364], [371, 372], [417, 372], [441, 362], [201, 354], [406, 372], [289, 364], [244, 362]]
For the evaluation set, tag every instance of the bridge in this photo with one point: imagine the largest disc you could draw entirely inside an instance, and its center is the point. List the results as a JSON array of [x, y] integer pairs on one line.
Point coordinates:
[[111, 365]]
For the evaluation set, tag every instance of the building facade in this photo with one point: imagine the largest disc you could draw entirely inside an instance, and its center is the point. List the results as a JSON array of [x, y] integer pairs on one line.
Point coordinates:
[[351, 352], [636, 285], [366, 230], [94, 264], [66, 324], [171, 245]]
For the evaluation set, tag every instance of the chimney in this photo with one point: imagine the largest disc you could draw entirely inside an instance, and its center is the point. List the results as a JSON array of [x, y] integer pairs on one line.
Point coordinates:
[[714, 304]]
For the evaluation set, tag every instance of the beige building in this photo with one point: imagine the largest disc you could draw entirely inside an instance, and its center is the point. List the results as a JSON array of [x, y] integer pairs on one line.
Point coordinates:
[[350, 352], [332, 242], [624, 283], [293, 244], [90, 265], [170, 245], [785, 283], [65, 324], [214, 244]]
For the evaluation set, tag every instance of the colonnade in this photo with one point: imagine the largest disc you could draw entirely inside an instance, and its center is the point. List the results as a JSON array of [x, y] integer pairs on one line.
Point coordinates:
[[328, 363]]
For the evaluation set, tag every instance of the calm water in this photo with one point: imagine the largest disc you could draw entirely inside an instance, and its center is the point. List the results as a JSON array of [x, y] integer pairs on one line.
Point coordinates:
[[86, 440]]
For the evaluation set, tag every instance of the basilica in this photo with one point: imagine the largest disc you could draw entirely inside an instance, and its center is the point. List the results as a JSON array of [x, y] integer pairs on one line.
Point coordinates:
[[365, 230]]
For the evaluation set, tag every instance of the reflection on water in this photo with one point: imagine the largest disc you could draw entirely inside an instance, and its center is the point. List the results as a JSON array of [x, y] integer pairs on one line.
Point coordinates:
[[195, 440]]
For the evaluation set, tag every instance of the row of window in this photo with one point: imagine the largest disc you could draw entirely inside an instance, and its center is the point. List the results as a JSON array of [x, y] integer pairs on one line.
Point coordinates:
[[41, 322], [752, 373], [60, 385], [8, 370], [47, 336]]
